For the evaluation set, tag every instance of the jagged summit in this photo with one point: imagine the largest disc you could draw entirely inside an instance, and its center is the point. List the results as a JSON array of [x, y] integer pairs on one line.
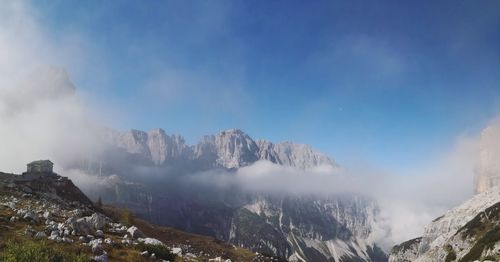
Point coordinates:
[[233, 131], [230, 149], [291, 154]]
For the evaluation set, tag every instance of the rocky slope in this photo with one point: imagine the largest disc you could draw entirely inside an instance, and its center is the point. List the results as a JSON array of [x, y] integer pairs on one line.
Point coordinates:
[[50, 208], [468, 232], [228, 149], [335, 228]]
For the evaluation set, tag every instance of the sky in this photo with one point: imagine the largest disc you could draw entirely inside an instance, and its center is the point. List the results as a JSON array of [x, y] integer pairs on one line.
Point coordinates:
[[385, 82]]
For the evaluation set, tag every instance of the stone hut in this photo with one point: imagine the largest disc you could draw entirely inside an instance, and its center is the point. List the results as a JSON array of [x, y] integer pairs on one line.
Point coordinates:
[[40, 166]]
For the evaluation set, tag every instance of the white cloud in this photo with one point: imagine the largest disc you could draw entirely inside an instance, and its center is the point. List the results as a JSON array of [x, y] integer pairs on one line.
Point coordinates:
[[39, 115], [408, 202]]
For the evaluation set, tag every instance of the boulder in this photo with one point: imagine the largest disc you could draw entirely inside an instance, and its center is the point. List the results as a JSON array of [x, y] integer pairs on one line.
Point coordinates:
[[97, 220], [96, 246], [151, 241], [40, 235], [177, 251], [101, 258], [30, 216], [47, 215], [99, 233], [83, 226], [135, 232]]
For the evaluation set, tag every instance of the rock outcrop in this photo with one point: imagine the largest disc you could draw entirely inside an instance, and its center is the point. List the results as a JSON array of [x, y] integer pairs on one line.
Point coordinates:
[[468, 232], [335, 228], [291, 154], [487, 172], [57, 212]]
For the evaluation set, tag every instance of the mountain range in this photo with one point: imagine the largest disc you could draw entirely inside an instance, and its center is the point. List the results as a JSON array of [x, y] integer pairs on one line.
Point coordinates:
[[297, 227], [227, 149]]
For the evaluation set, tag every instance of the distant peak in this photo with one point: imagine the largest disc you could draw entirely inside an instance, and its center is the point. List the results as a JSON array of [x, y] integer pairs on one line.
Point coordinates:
[[137, 131], [157, 131], [233, 131]]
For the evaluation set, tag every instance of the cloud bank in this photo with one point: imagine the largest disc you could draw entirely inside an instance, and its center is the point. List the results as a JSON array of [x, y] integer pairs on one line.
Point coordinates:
[[408, 202], [40, 115]]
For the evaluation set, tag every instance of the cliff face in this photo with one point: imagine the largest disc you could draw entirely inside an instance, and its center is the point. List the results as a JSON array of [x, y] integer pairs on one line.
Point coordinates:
[[487, 173], [291, 154], [335, 228], [468, 232], [228, 149], [295, 227]]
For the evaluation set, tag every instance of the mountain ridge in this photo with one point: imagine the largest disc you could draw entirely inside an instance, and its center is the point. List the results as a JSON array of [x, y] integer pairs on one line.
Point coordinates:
[[230, 149]]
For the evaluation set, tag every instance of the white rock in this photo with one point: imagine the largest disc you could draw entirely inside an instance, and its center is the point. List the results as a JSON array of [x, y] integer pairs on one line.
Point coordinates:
[[101, 258], [30, 215], [151, 241], [177, 251], [47, 215], [99, 233], [40, 235], [135, 232]]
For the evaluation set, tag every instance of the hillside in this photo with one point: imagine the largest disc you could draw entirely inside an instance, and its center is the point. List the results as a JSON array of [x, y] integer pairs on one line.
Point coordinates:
[[47, 218], [468, 232]]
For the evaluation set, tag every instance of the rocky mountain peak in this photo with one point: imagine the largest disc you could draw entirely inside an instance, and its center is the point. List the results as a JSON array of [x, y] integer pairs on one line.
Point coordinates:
[[292, 154], [487, 172], [230, 149], [135, 141]]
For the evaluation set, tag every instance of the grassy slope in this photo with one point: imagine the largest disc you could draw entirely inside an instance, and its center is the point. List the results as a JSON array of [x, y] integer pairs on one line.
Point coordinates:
[[172, 237]]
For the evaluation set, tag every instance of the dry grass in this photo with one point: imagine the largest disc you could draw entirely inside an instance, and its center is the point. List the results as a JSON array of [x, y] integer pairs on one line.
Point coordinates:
[[171, 237]]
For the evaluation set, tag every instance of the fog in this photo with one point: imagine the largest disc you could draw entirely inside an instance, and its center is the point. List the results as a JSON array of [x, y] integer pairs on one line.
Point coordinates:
[[408, 202]]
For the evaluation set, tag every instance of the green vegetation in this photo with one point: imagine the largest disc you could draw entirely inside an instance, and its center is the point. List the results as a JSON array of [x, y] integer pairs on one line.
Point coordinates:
[[491, 258], [484, 229], [161, 252], [27, 251], [488, 240]]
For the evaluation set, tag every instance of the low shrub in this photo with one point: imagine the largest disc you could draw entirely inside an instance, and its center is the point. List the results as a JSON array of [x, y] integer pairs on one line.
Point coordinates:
[[160, 251]]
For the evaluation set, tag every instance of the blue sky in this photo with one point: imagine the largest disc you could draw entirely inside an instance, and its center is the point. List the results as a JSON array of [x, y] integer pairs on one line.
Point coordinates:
[[387, 82]]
